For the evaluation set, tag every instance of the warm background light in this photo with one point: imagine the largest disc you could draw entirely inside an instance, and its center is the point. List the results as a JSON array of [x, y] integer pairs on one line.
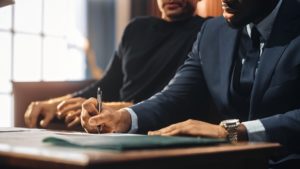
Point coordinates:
[[207, 8]]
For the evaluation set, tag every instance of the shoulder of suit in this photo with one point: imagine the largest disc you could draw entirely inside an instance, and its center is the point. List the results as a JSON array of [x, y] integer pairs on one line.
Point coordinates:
[[217, 21], [198, 20], [215, 24]]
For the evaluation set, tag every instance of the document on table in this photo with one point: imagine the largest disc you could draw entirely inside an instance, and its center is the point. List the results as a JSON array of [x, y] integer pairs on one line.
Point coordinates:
[[13, 129], [127, 141]]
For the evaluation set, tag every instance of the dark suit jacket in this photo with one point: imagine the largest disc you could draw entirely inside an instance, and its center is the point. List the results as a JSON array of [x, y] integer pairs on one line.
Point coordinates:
[[205, 76]]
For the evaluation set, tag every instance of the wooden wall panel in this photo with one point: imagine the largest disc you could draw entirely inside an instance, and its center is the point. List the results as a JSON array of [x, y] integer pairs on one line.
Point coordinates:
[[154, 8], [207, 8]]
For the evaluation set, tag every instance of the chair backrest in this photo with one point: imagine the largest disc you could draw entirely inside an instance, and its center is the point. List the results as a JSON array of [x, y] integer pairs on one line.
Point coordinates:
[[26, 92]]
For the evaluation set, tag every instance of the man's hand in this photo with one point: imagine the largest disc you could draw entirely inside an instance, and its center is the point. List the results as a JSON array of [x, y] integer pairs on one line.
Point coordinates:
[[117, 105], [192, 128], [111, 120], [70, 110], [46, 109]]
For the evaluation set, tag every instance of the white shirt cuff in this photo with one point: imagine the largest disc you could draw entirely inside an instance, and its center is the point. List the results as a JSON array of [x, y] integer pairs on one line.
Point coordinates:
[[134, 120], [256, 131]]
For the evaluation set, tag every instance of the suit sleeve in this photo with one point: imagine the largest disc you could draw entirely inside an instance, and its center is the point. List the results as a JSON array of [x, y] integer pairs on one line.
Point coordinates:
[[175, 102], [110, 83], [284, 129]]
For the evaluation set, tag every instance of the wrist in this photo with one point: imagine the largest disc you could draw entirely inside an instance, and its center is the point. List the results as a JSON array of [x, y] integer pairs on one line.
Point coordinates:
[[222, 132], [125, 121], [231, 126], [242, 133]]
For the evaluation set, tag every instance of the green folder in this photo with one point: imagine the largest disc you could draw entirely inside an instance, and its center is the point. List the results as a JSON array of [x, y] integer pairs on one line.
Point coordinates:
[[129, 142]]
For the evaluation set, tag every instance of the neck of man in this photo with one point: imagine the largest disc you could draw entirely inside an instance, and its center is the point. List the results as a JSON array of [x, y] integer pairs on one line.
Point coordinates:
[[177, 18]]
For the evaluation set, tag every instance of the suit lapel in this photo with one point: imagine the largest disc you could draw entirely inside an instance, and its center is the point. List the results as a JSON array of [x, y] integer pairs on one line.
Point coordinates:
[[283, 32], [268, 62], [228, 44]]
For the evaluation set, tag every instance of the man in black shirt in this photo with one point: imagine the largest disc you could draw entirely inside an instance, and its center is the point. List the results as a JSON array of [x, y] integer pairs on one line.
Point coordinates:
[[142, 65]]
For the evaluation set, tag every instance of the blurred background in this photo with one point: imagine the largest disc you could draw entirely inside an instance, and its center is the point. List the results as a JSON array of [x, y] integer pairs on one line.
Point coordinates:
[[46, 40]]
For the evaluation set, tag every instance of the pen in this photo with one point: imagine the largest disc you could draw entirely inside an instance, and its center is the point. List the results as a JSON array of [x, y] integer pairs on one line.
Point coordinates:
[[99, 99]]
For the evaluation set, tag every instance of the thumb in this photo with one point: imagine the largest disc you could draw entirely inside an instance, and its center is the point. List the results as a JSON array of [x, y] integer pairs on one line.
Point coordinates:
[[97, 120], [45, 122]]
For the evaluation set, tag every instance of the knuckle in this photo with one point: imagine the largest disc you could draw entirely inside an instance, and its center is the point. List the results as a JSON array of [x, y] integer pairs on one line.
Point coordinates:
[[85, 104], [67, 119], [173, 126], [190, 121], [84, 113], [69, 114]]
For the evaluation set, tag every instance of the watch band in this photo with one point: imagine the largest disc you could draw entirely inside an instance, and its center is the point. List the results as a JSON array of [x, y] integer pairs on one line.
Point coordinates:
[[231, 126]]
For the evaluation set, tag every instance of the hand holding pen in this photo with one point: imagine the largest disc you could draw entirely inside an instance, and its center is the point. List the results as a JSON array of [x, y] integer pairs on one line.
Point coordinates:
[[99, 99], [109, 121]]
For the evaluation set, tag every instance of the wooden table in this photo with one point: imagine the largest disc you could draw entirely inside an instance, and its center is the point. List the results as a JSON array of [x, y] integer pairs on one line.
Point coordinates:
[[26, 150]]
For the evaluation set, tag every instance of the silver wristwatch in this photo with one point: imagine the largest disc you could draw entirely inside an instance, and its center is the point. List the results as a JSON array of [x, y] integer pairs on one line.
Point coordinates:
[[231, 126]]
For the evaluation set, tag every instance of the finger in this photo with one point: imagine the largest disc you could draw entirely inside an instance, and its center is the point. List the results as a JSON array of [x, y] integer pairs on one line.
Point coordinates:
[[154, 133], [61, 105], [27, 115], [68, 104], [91, 130], [86, 115], [100, 119], [69, 117], [96, 120], [90, 105], [172, 133], [168, 129], [63, 111], [88, 111], [91, 101], [69, 101], [47, 119], [75, 122], [66, 111], [31, 115], [72, 115], [71, 107]]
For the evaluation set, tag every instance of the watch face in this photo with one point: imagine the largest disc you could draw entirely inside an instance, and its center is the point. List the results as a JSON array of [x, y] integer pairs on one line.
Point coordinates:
[[230, 122], [231, 126]]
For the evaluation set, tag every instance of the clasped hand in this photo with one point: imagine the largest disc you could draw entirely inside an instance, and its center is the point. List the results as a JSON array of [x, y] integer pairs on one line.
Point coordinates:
[[65, 108]]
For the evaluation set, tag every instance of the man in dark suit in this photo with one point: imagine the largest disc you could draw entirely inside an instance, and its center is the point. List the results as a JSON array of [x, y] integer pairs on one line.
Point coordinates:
[[247, 64]]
